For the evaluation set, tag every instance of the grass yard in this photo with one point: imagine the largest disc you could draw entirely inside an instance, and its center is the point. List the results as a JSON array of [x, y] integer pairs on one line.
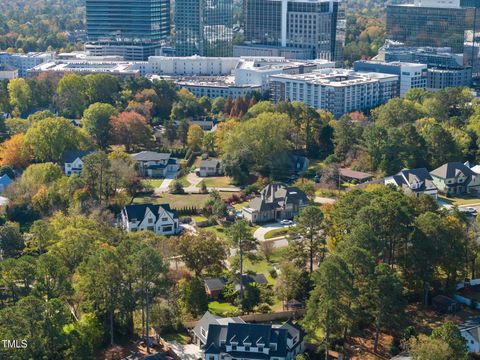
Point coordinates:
[[263, 266], [218, 181], [464, 200], [176, 200], [198, 218], [221, 309], [181, 338], [276, 233], [218, 230], [154, 183], [239, 206]]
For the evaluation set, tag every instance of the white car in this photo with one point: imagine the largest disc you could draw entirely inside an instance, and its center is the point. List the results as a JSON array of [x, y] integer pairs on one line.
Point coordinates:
[[286, 222], [469, 210]]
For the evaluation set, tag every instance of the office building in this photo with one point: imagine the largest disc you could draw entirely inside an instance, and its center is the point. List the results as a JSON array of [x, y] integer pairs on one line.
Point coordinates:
[[411, 75], [204, 27], [309, 26], [24, 62], [84, 67], [336, 90], [129, 28], [440, 78], [8, 72]]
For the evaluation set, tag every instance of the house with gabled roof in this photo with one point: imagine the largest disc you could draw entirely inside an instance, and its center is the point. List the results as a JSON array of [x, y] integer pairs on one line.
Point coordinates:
[[470, 331], [157, 218], [154, 164], [414, 182], [276, 202], [254, 341], [200, 331], [214, 286], [73, 161], [455, 178]]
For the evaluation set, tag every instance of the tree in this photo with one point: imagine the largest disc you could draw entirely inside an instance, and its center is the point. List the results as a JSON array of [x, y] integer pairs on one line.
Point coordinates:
[[52, 278], [251, 298], [20, 95], [328, 306], [49, 139], [101, 88], [72, 98], [96, 120], [130, 129], [293, 283], [307, 236], [11, 241], [427, 348], [241, 238], [194, 137], [449, 333], [397, 112], [202, 252], [387, 301], [14, 153], [193, 297], [345, 138]]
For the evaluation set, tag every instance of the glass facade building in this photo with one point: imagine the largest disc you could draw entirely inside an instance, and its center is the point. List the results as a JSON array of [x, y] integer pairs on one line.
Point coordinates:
[[117, 24], [304, 24], [204, 27]]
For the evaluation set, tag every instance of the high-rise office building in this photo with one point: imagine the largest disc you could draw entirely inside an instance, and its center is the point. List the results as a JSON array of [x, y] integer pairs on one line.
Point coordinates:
[[129, 28], [204, 27], [438, 23], [310, 25]]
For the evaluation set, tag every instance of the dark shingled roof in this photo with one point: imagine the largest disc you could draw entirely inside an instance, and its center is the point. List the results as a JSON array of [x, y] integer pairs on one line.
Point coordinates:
[[215, 284], [72, 155], [137, 211], [451, 169], [150, 156], [277, 195], [352, 174], [420, 176]]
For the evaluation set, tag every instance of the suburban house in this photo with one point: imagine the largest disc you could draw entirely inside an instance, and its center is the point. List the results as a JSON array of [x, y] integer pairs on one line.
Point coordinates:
[[353, 176], [470, 331], [200, 331], [155, 165], [276, 202], [5, 182], [158, 218], [253, 341], [214, 286], [210, 168], [72, 161], [414, 182], [455, 178]]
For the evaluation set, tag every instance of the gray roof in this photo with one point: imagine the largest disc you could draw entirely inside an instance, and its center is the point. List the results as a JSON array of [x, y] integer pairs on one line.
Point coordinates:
[[209, 163], [420, 176], [215, 284], [451, 170], [210, 319], [275, 196], [150, 156], [472, 326], [72, 155]]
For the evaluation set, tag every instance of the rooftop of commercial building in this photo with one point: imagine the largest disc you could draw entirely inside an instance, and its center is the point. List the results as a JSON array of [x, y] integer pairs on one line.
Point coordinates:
[[337, 77], [392, 63], [88, 66]]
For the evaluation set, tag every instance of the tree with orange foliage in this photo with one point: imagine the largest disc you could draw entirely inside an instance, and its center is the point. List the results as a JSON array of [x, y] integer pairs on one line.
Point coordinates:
[[130, 129], [14, 153]]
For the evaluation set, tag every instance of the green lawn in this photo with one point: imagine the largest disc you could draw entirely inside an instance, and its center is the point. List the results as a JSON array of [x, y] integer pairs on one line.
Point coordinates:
[[176, 200], [239, 206], [155, 183], [218, 230], [263, 266], [181, 338], [276, 233], [199, 218], [467, 200], [219, 308], [218, 181]]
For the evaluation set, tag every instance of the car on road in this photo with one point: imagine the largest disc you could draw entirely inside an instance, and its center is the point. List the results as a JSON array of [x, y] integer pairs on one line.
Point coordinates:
[[286, 222]]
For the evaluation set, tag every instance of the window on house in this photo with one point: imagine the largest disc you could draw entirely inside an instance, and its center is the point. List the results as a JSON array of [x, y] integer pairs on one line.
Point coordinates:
[[150, 220], [164, 219], [247, 348]]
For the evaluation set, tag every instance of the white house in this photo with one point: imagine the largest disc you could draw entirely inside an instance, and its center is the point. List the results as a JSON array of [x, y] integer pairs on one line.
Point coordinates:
[[470, 331], [414, 181], [72, 161], [157, 218], [154, 164], [210, 168]]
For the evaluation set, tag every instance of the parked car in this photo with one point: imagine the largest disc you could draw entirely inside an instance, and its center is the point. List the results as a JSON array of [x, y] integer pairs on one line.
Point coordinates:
[[286, 222], [468, 210]]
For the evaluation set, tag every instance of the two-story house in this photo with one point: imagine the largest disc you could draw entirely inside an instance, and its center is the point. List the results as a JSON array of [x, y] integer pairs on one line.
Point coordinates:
[[157, 218], [414, 182], [455, 178], [210, 168], [154, 164], [276, 202], [253, 341], [72, 161]]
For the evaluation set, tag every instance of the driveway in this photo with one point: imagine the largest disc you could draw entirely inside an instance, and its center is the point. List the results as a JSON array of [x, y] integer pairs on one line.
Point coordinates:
[[186, 352], [165, 183], [278, 242]]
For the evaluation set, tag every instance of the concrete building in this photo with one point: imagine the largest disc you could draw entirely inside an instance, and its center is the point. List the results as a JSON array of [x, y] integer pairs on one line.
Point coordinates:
[[440, 78], [217, 88], [189, 66], [411, 75], [336, 90], [204, 27], [24, 62], [129, 28], [8, 72], [309, 26], [117, 68]]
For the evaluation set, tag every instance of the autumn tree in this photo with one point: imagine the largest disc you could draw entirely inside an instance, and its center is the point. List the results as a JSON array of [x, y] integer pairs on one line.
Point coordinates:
[[130, 129], [20, 95], [194, 137], [14, 153]]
